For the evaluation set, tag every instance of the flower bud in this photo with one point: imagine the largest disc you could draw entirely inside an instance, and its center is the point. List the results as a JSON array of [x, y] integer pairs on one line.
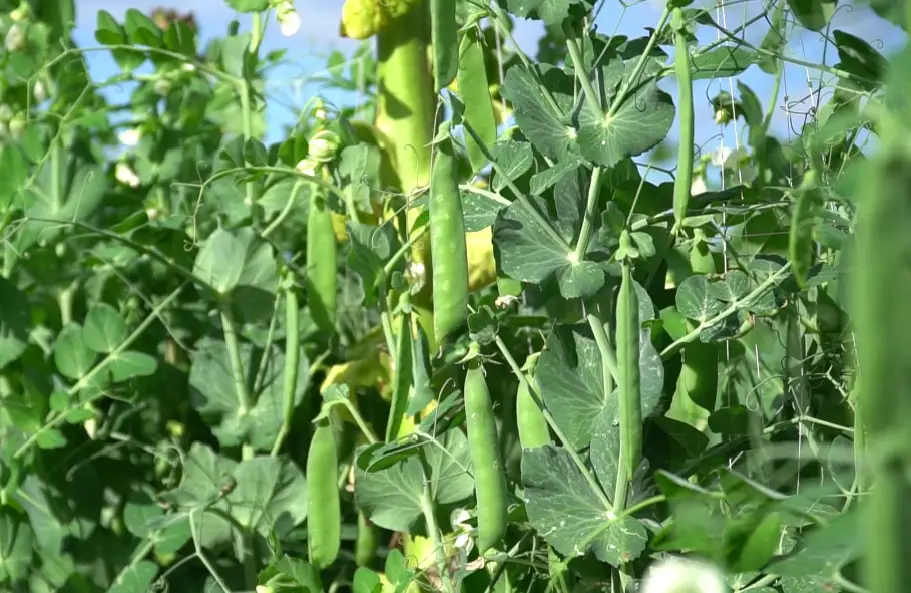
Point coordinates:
[[15, 38], [21, 13], [288, 19], [125, 175], [323, 146]]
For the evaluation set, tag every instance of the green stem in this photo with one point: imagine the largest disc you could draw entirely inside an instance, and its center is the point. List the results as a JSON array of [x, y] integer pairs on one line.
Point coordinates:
[[86, 379], [237, 368], [621, 95], [286, 211], [591, 211], [609, 370], [520, 196], [433, 531], [536, 396], [502, 22], [361, 423], [579, 66]]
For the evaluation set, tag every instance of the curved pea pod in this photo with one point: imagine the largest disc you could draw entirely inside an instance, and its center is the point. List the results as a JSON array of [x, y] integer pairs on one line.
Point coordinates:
[[628, 379], [474, 90], [484, 446], [448, 247], [324, 522], [444, 35], [322, 275], [685, 150], [533, 429]]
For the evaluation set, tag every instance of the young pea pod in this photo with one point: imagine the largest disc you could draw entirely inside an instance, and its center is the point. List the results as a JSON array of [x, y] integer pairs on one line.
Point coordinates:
[[533, 429], [444, 35], [322, 276], [484, 445], [448, 249], [403, 380], [324, 522], [685, 149], [367, 541], [474, 89], [628, 375]]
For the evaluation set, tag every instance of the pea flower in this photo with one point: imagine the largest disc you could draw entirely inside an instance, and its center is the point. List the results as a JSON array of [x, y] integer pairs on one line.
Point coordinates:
[[323, 146], [15, 38], [676, 574], [130, 137], [288, 19], [125, 175]]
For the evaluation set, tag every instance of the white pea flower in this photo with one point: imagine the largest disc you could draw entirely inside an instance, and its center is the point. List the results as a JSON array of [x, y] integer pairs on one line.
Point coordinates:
[[130, 137], [723, 157], [459, 520], [288, 19], [188, 67], [417, 272], [505, 301], [125, 175], [675, 574], [39, 91], [307, 166], [323, 146], [15, 39], [699, 186]]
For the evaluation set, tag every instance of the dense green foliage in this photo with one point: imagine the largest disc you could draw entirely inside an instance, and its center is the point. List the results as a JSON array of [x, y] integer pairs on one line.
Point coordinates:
[[226, 365]]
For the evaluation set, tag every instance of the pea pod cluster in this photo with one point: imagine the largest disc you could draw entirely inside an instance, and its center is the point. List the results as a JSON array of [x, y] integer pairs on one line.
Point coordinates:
[[484, 445]]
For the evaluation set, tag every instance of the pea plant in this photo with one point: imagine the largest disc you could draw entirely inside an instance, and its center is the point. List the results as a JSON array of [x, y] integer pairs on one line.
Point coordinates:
[[498, 323]]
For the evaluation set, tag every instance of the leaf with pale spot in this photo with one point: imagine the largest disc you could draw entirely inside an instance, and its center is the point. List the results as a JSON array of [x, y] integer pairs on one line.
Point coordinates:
[[695, 300], [564, 509]]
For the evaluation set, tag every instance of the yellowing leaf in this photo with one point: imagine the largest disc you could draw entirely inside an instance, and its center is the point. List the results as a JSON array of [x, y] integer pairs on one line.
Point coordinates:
[[365, 18], [482, 267]]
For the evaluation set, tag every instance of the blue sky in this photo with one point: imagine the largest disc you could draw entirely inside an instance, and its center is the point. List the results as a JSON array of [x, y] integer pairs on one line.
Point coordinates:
[[307, 52]]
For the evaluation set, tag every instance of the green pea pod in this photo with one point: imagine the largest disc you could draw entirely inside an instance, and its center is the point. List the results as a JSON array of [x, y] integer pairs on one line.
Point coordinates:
[[367, 541], [324, 522], [685, 149], [800, 244], [403, 380], [322, 276], [533, 429], [448, 249], [628, 371], [484, 445], [444, 35], [474, 90]]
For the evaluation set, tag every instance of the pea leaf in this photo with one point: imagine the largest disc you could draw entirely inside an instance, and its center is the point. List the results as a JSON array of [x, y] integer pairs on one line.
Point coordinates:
[[552, 12], [824, 550], [129, 364], [213, 393], [529, 252], [695, 300], [391, 498], [570, 377], [104, 329], [514, 157], [480, 211], [239, 263], [640, 122], [72, 356], [564, 509], [292, 574], [813, 14], [544, 180], [14, 322], [16, 538], [535, 116], [266, 495], [136, 578], [724, 61]]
